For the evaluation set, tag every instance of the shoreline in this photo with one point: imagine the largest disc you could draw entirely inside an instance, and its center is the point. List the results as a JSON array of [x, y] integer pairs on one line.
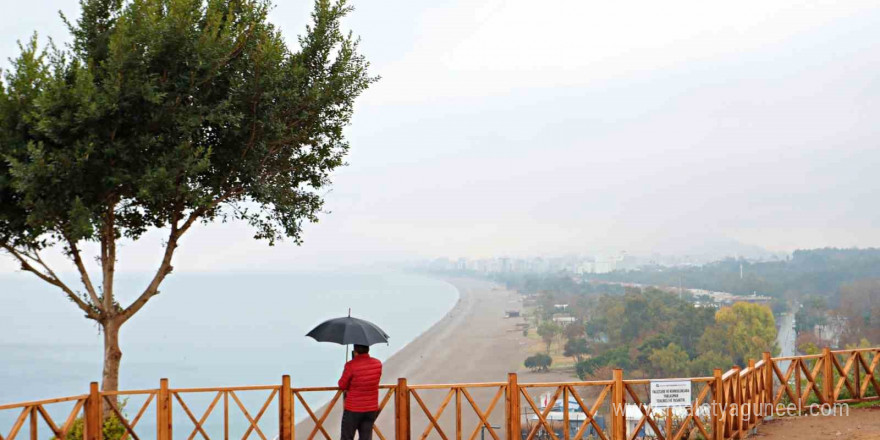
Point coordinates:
[[427, 330]]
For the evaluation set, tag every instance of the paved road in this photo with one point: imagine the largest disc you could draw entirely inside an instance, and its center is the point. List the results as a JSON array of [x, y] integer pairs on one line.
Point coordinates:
[[785, 338]]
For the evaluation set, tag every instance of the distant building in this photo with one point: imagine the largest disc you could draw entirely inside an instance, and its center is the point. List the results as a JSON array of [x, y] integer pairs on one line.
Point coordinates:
[[511, 314], [564, 320]]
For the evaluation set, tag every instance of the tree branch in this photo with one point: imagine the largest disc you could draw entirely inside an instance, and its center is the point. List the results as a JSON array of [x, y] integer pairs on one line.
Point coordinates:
[[51, 278], [165, 267], [84, 274]]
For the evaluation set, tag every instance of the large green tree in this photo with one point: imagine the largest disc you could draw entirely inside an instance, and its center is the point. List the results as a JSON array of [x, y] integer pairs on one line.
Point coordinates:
[[742, 331], [161, 114]]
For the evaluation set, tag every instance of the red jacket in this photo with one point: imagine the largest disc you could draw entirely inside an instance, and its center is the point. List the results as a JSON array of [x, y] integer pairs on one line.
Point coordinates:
[[361, 379]]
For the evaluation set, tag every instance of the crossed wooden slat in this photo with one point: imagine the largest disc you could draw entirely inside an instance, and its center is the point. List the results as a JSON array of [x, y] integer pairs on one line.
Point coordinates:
[[129, 427], [590, 413], [870, 377], [542, 416], [319, 422], [254, 421], [783, 379], [699, 423], [483, 415], [198, 424], [458, 392], [388, 394], [433, 418], [645, 416], [811, 381], [33, 411], [843, 372]]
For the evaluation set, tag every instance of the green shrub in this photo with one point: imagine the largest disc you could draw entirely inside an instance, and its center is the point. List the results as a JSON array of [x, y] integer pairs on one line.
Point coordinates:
[[539, 361], [113, 428]]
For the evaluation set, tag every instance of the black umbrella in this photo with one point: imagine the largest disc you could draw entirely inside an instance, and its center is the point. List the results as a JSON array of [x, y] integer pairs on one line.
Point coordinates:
[[347, 331]]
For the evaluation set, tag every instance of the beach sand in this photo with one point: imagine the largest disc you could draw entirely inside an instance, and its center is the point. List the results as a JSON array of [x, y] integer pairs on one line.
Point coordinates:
[[474, 342]]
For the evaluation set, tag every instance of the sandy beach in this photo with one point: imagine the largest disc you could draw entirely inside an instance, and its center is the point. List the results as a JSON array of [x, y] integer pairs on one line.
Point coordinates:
[[474, 342]]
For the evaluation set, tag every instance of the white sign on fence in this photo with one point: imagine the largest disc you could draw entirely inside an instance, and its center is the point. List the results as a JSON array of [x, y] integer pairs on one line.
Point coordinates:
[[666, 393]]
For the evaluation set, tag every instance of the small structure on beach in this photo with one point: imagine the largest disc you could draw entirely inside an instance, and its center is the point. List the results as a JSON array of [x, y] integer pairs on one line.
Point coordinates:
[[511, 314]]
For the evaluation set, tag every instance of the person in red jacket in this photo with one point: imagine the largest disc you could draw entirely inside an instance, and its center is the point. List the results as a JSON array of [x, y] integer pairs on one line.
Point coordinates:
[[360, 382]]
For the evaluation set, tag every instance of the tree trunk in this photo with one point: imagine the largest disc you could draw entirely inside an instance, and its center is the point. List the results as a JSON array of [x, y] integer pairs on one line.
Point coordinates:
[[112, 358]]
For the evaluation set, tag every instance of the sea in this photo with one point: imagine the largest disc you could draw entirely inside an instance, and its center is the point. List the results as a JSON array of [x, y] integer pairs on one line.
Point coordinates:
[[206, 330]]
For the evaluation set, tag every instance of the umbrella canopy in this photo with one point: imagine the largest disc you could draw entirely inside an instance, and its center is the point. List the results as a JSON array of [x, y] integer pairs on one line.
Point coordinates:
[[348, 330]]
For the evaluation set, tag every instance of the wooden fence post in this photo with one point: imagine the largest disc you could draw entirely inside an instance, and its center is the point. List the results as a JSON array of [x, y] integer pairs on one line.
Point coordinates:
[[514, 423], [94, 414], [737, 399], [717, 406], [827, 376], [768, 378], [753, 396], [618, 407], [163, 411], [401, 410], [285, 410]]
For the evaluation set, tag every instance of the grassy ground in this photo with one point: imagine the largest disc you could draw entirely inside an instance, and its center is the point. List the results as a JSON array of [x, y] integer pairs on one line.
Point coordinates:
[[537, 345]]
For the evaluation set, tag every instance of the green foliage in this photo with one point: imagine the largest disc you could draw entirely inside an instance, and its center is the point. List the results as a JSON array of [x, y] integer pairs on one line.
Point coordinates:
[[812, 312], [528, 283], [743, 331], [671, 337], [704, 364], [162, 114], [647, 347], [540, 361], [113, 428], [161, 109], [576, 348], [618, 357], [809, 348], [807, 272], [548, 330], [641, 314], [670, 360]]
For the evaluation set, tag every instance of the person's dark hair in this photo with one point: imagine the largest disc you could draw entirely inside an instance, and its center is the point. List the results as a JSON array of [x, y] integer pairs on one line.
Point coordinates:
[[361, 349]]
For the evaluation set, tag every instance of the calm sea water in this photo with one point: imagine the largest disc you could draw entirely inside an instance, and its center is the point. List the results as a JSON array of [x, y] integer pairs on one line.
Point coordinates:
[[205, 330]]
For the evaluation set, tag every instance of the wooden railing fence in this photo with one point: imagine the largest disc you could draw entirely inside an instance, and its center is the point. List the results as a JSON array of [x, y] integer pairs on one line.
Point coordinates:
[[728, 405]]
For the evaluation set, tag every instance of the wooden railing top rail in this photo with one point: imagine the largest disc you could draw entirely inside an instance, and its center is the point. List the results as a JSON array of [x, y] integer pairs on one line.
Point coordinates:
[[43, 402], [129, 392], [647, 381], [806, 356], [727, 374], [216, 389], [850, 350], [457, 385], [588, 383]]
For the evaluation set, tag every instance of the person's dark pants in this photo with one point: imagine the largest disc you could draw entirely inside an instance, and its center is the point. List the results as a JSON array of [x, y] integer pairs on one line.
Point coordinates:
[[362, 422]]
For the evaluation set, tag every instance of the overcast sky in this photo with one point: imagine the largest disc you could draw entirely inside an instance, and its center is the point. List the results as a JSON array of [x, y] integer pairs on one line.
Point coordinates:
[[537, 128]]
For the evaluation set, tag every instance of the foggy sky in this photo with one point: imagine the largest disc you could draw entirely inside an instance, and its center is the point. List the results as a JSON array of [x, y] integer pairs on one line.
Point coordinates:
[[537, 128]]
